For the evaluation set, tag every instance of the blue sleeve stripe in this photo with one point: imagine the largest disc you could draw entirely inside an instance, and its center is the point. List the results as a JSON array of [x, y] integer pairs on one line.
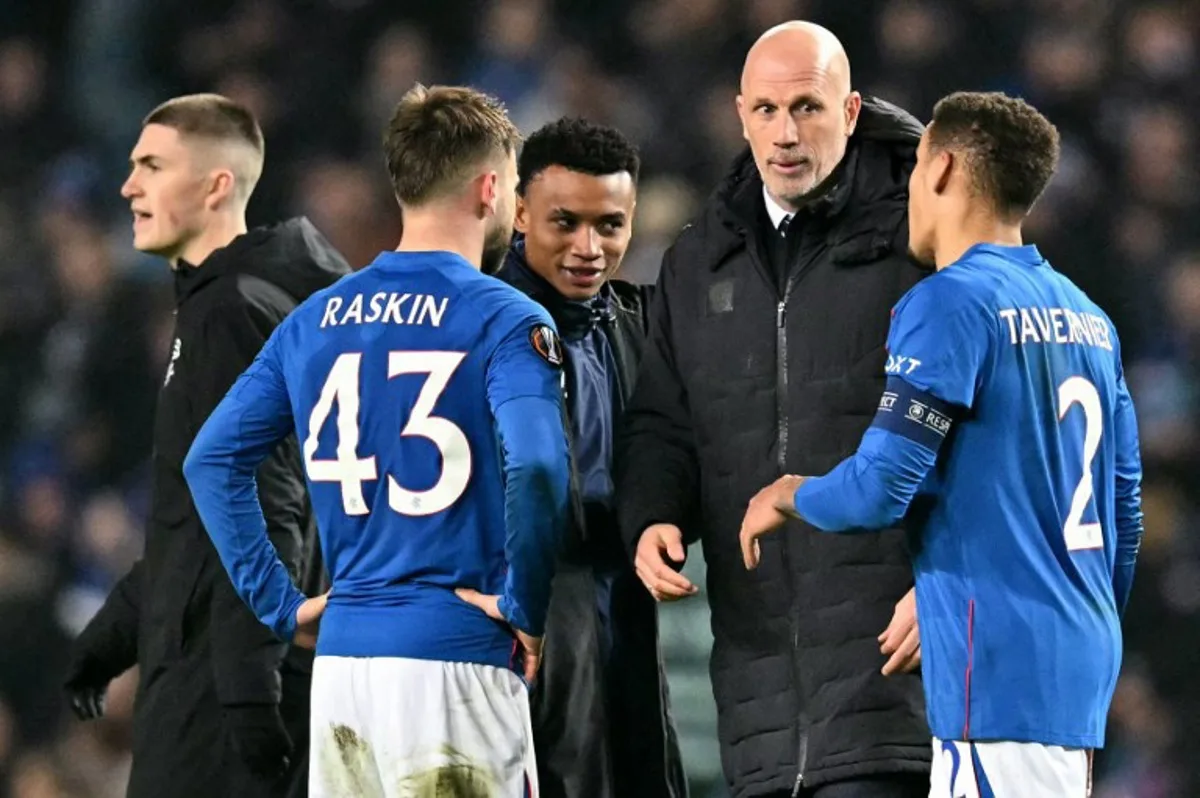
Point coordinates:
[[911, 413]]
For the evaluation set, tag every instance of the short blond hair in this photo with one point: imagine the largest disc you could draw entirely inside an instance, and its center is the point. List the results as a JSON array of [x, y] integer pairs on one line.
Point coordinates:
[[438, 135], [222, 121]]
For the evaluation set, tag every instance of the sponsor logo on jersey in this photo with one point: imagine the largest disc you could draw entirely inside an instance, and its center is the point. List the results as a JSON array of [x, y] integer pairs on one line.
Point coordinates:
[[901, 365]]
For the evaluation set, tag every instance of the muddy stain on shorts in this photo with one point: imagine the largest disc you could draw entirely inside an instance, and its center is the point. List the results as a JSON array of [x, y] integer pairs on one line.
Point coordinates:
[[348, 765], [457, 778]]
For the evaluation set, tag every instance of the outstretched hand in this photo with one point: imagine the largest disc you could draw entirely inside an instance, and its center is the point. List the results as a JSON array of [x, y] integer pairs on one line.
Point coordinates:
[[766, 512]]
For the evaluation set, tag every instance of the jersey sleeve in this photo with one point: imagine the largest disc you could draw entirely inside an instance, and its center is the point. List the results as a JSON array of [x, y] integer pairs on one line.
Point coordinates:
[[939, 340], [220, 470], [1128, 494], [869, 490], [526, 361], [523, 387]]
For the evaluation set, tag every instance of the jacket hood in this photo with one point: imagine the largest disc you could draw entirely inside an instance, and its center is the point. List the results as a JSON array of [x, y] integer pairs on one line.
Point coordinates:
[[292, 255]]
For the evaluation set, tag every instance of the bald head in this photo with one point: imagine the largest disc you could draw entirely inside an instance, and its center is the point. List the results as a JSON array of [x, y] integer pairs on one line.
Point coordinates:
[[797, 108], [794, 48]]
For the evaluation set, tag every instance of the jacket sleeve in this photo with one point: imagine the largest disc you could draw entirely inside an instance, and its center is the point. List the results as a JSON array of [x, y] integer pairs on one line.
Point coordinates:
[[107, 647], [245, 654], [656, 465]]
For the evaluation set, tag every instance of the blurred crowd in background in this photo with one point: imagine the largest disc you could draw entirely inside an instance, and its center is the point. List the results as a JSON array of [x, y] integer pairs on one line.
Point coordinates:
[[85, 321]]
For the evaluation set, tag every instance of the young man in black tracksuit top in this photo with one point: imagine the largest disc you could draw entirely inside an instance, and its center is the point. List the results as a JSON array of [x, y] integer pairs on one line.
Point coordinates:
[[222, 705], [601, 715]]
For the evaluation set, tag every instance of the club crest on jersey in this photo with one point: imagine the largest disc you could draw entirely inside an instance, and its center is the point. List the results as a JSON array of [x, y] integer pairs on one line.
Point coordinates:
[[547, 344]]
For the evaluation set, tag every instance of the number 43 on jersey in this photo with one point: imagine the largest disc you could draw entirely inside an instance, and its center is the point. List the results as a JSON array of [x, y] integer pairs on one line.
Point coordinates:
[[351, 471]]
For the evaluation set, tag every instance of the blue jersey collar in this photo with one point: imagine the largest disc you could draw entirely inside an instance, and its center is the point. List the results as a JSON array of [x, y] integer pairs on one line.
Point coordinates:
[[1027, 254], [399, 261]]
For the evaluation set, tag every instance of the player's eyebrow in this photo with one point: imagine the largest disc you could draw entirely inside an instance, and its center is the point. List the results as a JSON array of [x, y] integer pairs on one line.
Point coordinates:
[[563, 213], [807, 98], [144, 160]]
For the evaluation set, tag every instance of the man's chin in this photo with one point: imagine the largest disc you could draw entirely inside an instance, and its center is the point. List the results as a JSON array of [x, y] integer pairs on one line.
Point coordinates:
[[577, 292], [157, 249], [147, 247], [795, 190]]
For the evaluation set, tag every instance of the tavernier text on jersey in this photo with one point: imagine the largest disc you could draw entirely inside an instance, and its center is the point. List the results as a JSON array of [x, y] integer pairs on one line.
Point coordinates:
[[1056, 326]]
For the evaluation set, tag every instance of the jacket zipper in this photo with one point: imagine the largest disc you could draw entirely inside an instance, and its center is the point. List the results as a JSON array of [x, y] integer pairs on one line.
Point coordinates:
[[781, 381], [781, 430], [802, 761]]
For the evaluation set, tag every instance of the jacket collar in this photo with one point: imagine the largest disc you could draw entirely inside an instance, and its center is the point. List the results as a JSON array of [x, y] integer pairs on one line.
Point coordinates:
[[190, 278], [739, 200]]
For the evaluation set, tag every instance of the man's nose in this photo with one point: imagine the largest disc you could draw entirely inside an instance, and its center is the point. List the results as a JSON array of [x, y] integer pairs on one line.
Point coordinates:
[[587, 242], [787, 133]]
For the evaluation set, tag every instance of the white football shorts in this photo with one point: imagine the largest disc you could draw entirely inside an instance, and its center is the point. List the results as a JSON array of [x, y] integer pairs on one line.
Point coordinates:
[[1009, 770], [389, 727]]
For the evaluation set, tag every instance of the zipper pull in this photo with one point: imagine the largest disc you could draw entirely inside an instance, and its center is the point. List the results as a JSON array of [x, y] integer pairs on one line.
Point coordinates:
[[780, 310]]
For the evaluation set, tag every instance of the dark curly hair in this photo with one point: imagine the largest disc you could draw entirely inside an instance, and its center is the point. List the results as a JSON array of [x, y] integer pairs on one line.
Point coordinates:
[[1011, 150], [580, 146]]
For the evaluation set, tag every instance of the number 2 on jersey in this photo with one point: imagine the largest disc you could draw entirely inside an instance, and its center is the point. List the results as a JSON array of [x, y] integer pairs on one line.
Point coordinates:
[[1077, 390], [351, 471]]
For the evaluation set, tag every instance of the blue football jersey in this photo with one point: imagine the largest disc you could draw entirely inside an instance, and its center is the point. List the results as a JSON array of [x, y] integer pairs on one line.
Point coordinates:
[[397, 381], [1034, 499]]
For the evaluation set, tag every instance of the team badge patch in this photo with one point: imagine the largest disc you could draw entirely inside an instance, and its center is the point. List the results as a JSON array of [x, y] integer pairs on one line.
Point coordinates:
[[546, 343]]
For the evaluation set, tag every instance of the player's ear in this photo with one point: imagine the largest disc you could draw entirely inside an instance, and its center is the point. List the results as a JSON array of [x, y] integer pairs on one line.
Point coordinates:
[[219, 187], [489, 192], [853, 107], [942, 167], [521, 215], [740, 103]]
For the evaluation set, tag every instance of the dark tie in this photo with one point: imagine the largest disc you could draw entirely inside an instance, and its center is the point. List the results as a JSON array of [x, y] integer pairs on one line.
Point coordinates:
[[782, 249]]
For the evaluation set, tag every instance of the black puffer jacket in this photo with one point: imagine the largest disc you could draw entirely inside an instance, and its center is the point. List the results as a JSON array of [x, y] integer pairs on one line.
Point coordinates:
[[741, 383]]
